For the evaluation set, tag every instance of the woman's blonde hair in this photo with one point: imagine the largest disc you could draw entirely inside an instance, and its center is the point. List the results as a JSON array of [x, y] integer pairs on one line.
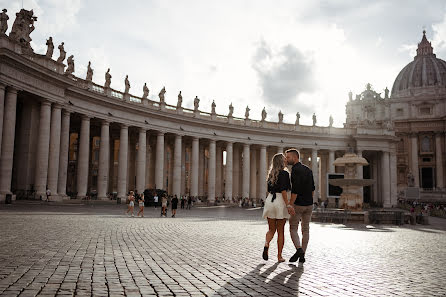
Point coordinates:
[[277, 164]]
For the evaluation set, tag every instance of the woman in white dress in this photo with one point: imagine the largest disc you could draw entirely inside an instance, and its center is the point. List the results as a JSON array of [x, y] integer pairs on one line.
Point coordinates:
[[276, 204]]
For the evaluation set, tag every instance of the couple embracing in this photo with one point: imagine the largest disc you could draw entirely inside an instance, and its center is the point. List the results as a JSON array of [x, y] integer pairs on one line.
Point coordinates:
[[297, 207]]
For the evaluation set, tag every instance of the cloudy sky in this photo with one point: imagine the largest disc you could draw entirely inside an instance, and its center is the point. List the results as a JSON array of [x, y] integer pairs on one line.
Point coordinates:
[[293, 56]]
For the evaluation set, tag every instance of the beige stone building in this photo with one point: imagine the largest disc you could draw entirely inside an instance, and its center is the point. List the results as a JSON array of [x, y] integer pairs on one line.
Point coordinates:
[[416, 111], [77, 138]]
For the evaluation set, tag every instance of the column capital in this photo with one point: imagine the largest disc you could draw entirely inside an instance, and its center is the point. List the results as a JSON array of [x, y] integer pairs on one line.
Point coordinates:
[[57, 106], [263, 146], [11, 89], [124, 126], [159, 133], [85, 117], [45, 102], [246, 145], [66, 112], [2, 86], [212, 141], [142, 130], [105, 122], [195, 138]]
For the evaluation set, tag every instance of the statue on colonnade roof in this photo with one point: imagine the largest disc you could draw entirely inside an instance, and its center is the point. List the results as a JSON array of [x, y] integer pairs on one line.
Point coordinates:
[[386, 93], [62, 54], [330, 121], [3, 21], [247, 112], [50, 48], [107, 79], [297, 118], [180, 100], [213, 107], [23, 26], [127, 84], [145, 91], [263, 114], [161, 94], [231, 110], [89, 72], [280, 117], [314, 119], [70, 62], [196, 103]]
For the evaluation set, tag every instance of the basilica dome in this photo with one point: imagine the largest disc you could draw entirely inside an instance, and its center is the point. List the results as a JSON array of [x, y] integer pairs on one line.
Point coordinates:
[[426, 73]]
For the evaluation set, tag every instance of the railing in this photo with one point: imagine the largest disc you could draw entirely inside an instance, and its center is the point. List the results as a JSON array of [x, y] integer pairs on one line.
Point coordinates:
[[116, 94], [135, 99], [97, 88]]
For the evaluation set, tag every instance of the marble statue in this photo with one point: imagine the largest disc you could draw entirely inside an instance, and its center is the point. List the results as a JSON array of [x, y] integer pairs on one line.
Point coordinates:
[[161, 94], [62, 54], [70, 62], [231, 110], [50, 47], [180, 100], [127, 84], [213, 107], [410, 179], [263, 114], [297, 119], [196, 103], [247, 113], [3, 21], [350, 96], [386, 93], [368, 86], [314, 119], [280, 117], [358, 97], [330, 121], [107, 79], [89, 72], [145, 91], [22, 27]]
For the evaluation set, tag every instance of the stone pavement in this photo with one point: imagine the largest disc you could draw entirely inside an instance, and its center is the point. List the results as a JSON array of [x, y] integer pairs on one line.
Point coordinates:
[[85, 250]]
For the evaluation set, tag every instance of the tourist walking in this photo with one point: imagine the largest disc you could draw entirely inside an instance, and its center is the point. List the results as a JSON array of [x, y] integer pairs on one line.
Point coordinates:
[[141, 205], [131, 203], [48, 194], [277, 204], [164, 206], [302, 190], [174, 205]]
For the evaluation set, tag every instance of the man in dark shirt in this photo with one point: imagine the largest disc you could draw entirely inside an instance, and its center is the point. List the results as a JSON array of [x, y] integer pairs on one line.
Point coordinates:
[[302, 190]]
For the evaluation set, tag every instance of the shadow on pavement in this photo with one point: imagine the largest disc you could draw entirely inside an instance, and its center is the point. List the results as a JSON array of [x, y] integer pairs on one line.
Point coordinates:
[[269, 282]]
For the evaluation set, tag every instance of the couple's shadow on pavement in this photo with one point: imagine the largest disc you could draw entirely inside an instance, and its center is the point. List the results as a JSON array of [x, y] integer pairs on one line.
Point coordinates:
[[285, 282]]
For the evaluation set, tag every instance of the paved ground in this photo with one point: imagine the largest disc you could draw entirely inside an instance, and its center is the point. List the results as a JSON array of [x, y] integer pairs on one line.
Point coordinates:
[[88, 250]]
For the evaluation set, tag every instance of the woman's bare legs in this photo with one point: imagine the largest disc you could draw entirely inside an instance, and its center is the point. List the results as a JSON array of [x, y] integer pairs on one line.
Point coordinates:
[[271, 231], [280, 238]]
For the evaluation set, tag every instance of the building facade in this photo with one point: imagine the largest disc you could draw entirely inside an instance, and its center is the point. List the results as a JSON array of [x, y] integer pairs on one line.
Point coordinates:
[[75, 137], [416, 111]]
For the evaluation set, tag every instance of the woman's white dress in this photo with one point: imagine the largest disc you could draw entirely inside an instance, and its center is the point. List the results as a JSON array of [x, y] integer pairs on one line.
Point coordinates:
[[277, 208]]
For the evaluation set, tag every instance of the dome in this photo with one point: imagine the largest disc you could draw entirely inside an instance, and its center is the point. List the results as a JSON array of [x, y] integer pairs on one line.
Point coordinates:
[[425, 73]]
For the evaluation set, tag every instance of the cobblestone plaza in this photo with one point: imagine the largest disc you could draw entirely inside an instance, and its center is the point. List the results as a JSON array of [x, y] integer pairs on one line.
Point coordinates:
[[96, 250]]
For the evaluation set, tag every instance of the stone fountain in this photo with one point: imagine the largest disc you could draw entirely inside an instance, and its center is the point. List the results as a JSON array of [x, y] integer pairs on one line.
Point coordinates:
[[351, 198]]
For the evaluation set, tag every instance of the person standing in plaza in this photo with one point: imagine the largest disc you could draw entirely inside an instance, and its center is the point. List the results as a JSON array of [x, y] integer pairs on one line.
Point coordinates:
[[174, 205], [277, 204], [182, 201], [189, 202], [48, 194], [164, 206], [155, 199], [131, 203], [302, 190], [141, 205]]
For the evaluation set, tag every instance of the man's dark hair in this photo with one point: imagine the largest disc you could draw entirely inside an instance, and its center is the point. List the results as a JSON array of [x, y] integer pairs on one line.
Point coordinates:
[[293, 151]]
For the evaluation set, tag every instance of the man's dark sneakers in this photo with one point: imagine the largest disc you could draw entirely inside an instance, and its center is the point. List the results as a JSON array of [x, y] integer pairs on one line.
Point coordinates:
[[299, 254]]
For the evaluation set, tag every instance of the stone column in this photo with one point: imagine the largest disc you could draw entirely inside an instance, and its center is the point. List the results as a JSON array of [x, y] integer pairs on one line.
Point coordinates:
[[2, 105], [236, 172], [183, 168], [439, 161], [360, 174], [218, 168], [262, 172], [228, 172], [246, 168], [84, 157], [194, 167], [7, 153], [141, 161], [122, 162], [385, 171], [201, 171], [211, 173], [315, 169], [104, 160], [63, 158], [393, 180], [375, 176], [414, 158], [53, 164], [331, 159], [176, 189], [252, 174], [280, 149], [43, 144], [159, 161]]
